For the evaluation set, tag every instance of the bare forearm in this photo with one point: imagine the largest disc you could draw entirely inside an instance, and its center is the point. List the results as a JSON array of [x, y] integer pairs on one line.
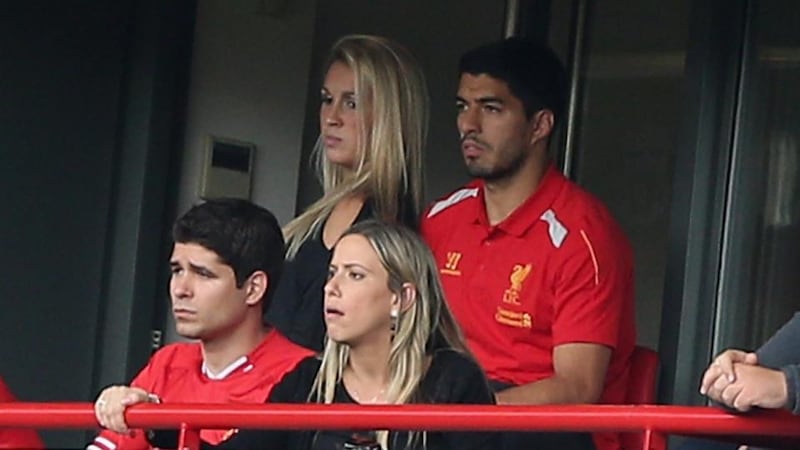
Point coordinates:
[[548, 391]]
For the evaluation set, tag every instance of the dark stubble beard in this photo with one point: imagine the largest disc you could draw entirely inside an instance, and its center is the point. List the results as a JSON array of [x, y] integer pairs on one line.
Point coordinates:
[[499, 172]]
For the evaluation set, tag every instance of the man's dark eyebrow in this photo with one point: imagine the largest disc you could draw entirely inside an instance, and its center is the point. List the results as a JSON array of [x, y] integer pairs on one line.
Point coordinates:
[[198, 268], [484, 100]]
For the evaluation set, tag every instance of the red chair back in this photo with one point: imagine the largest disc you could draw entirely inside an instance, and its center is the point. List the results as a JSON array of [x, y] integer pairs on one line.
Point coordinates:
[[13, 437], [642, 381], [643, 376]]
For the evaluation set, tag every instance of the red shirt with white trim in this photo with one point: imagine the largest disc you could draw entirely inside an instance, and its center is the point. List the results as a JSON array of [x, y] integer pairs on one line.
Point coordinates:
[[557, 270], [176, 375], [16, 437]]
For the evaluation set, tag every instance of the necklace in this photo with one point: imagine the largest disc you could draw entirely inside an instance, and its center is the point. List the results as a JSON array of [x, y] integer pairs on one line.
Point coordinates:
[[357, 388], [372, 400]]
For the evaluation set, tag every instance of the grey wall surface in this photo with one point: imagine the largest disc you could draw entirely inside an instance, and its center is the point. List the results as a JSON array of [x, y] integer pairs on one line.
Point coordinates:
[[248, 82]]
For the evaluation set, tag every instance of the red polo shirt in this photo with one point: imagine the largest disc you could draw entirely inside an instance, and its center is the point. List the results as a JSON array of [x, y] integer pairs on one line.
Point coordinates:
[[557, 270], [175, 373]]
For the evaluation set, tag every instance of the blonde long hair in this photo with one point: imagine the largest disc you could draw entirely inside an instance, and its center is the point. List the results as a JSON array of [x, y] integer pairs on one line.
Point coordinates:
[[393, 111], [427, 324]]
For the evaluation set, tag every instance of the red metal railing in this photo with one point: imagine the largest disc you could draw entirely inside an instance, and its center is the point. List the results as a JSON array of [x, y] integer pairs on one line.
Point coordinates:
[[654, 421]]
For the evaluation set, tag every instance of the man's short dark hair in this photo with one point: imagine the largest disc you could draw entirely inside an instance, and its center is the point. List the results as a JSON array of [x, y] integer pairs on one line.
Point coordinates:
[[532, 72], [245, 236]]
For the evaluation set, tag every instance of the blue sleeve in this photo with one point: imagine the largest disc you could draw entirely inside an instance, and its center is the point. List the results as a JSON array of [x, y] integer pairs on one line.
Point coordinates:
[[782, 352]]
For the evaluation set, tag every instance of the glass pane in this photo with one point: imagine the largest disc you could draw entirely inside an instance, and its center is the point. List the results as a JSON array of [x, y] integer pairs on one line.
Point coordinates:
[[631, 103], [760, 287]]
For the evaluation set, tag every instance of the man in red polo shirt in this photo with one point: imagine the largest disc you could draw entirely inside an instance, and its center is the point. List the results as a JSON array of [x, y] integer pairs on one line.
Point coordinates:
[[228, 255], [536, 270]]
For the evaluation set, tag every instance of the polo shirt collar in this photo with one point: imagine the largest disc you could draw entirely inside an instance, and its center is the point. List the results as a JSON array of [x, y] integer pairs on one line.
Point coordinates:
[[245, 361], [224, 372], [530, 211]]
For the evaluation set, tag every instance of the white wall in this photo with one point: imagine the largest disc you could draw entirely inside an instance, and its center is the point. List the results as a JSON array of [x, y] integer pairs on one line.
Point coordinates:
[[248, 81]]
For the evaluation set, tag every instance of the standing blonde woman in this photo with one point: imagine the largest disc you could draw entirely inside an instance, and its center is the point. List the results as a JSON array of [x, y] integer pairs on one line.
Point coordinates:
[[373, 124], [391, 340]]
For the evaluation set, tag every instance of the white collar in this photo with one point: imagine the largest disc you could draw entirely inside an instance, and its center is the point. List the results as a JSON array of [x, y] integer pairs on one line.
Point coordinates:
[[224, 372]]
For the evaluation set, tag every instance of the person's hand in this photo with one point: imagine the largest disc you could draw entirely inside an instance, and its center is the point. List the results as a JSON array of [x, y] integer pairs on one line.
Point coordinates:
[[109, 408], [754, 386], [721, 372]]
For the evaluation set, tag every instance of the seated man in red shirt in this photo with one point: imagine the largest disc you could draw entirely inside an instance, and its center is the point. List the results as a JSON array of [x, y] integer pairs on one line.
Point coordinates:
[[227, 257], [536, 271], [16, 437]]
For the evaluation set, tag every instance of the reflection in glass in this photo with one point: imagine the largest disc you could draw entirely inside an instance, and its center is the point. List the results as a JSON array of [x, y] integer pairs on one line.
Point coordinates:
[[760, 284]]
